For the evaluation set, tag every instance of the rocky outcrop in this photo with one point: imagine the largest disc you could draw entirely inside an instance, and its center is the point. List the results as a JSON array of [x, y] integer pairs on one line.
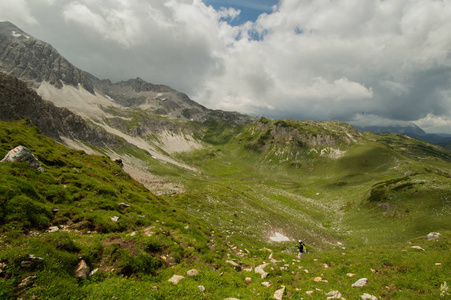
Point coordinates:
[[35, 61], [18, 102]]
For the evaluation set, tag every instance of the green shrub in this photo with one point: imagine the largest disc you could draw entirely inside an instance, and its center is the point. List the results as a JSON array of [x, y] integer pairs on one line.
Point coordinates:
[[30, 213]]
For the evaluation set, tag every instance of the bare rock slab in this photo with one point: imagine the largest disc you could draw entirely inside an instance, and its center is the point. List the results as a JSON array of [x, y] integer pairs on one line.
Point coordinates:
[[361, 282], [176, 279]]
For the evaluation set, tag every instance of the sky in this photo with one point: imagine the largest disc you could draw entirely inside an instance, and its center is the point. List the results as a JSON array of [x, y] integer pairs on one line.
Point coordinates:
[[379, 62]]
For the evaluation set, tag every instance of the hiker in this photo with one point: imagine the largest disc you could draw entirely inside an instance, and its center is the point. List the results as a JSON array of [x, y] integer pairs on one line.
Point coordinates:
[[301, 248]]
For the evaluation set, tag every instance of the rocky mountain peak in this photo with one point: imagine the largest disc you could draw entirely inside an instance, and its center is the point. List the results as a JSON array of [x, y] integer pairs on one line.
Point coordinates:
[[35, 61]]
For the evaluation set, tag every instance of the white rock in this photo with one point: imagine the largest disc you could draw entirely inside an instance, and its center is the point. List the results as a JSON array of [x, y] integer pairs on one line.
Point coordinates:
[[93, 272], [175, 279], [433, 235], [201, 288], [278, 295], [114, 219], [53, 229], [334, 295], [266, 284], [231, 262], [417, 247], [361, 282], [368, 297], [260, 270]]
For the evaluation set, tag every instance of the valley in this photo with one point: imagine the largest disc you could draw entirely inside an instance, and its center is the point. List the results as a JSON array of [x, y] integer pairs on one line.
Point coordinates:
[[141, 183]]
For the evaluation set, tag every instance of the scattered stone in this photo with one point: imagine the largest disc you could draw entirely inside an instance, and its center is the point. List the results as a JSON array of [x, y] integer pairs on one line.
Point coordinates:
[[361, 282], [278, 295], [114, 219], [2, 266], [318, 279], [93, 272], [133, 233], [309, 292], [433, 235], [260, 270], [368, 297], [417, 247], [201, 288], [175, 279], [123, 205], [231, 262], [334, 295], [326, 266], [82, 272], [248, 280], [192, 272], [27, 281], [21, 153], [247, 269], [438, 264], [306, 271], [350, 274], [231, 299], [31, 262], [53, 229], [266, 284]]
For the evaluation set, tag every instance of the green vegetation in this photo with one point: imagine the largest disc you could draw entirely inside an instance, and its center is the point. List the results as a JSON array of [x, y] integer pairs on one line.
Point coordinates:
[[362, 202]]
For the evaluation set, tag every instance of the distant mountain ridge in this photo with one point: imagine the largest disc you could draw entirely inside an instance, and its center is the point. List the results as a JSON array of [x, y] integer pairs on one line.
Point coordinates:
[[412, 130]]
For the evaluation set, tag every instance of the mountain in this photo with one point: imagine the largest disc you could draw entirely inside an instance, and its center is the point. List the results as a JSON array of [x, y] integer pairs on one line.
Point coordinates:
[[37, 63], [412, 130], [18, 102], [220, 201]]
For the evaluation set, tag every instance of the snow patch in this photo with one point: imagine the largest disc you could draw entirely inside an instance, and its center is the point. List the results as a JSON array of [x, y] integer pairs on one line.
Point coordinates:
[[17, 35], [278, 237]]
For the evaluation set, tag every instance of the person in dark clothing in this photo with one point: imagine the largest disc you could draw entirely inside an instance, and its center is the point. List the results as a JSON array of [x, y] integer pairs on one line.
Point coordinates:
[[301, 248]]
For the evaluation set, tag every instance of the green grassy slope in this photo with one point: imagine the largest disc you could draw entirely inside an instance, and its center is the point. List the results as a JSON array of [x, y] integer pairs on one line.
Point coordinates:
[[360, 201]]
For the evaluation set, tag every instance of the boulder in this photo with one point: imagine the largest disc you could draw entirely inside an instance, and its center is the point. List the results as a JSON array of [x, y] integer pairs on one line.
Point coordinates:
[[361, 282], [82, 272], [21, 153]]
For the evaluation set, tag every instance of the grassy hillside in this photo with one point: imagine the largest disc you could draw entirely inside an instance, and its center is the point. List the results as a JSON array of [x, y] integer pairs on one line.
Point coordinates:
[[360, 201]]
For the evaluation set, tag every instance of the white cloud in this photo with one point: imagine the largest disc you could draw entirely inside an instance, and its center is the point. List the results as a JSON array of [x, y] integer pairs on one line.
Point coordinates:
[[16, 11], [313, 59]]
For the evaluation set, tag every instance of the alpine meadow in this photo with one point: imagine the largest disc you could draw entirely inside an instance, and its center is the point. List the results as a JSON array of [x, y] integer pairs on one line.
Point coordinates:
[[146, 194]]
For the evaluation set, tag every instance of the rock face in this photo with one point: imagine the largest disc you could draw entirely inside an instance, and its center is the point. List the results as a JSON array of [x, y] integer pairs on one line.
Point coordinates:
[[35, 61], [22, 154], [18, 102], [32, 60]]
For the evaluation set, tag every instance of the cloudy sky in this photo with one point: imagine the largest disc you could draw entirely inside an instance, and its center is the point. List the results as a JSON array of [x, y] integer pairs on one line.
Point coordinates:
[[363, 62]]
